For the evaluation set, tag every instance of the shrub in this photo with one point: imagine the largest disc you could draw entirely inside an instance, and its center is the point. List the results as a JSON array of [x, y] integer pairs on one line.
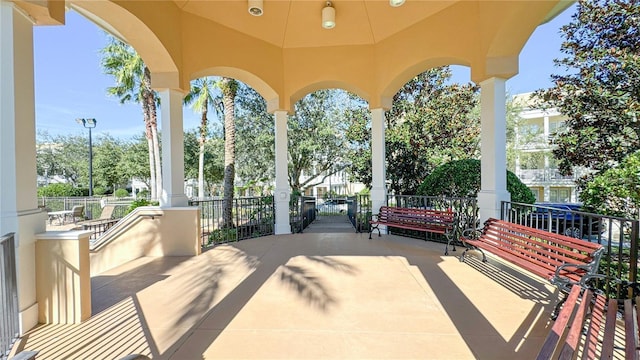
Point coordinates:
[[120, 193], [143, 193], [99, 190], [59, 190], [137, 203], [461, 178]]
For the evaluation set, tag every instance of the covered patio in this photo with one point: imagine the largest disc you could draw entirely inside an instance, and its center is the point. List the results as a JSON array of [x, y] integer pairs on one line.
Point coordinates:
[[309, 296], [231, 298]]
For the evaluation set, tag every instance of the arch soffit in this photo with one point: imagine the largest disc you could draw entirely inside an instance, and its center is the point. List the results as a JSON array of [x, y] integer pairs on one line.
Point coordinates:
[[259, 85], [128, 27], [403, 76]]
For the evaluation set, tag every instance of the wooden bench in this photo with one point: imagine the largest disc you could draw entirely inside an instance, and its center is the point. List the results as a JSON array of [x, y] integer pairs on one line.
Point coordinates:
[[442, 222], [562, 260], [588, 321]]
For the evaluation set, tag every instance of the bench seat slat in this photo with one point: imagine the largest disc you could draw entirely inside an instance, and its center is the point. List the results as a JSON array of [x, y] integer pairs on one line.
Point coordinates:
[[573, 338], [539, 268], [595, 326], [554, 336]]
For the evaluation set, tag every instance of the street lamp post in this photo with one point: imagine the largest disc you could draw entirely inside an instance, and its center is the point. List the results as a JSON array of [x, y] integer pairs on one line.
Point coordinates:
[[89, 124]]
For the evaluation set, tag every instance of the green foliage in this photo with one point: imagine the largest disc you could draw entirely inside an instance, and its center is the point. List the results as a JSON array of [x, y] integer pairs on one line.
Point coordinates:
[[222, 235], [144, 193], [99, 191], [365, 191], [60, 190], [615, 191], [317, 145], [140, 202], [431, 122], [599, 93], [120, 193], [461, 178]]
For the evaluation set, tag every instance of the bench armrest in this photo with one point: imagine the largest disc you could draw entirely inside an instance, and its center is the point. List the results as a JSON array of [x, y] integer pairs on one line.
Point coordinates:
[[472, 233], [566, 283]]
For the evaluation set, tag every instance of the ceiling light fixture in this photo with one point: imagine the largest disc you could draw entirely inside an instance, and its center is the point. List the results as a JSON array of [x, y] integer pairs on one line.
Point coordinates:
[[328, 16], [396, 3], [255, 7]]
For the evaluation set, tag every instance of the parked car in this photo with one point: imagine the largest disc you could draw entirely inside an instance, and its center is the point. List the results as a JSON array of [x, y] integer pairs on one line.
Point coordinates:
[[333, 206], [565, 218]]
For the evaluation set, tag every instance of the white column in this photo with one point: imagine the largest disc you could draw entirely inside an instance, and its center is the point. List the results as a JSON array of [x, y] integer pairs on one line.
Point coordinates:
[[172, 149], [18, 200], [493, 188], [282, 194], [378, 169]]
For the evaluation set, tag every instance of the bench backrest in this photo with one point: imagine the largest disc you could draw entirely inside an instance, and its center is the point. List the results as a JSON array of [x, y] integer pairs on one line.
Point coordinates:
[[440, 218], [539, 245]]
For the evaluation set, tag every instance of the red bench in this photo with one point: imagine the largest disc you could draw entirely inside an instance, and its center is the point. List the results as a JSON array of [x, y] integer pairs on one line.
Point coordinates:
[[588, 321], [427, 220], [562, 260]]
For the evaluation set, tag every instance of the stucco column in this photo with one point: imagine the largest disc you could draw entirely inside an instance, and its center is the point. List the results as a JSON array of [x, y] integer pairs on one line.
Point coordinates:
[[378, 169], [172, 149], [282, 194], [493, 188], [19, 211]]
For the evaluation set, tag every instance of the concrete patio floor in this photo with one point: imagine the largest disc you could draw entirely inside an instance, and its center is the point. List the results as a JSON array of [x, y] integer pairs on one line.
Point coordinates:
[[309, 296]]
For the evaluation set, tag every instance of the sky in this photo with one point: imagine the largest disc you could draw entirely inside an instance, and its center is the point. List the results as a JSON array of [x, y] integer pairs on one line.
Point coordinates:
[[70, 84]]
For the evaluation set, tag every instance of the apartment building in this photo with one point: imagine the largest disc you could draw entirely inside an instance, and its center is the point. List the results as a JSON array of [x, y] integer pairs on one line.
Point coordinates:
[[534, 162]]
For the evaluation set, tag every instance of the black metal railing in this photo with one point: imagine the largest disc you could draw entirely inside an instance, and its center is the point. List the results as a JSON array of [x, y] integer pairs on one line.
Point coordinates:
[[359, 212], [618, 235], [9, 324], [252, 217], [302, 212], [465, 207]]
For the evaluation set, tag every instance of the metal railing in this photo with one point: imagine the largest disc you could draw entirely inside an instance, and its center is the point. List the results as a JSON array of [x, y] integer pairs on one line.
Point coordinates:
[[9, 325], [92, 205], [618, 235], [302, 212], [359, 212], [252, 217]]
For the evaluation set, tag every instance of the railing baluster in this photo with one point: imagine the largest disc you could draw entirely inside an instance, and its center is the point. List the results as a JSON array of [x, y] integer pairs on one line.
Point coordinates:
[[9, 325]]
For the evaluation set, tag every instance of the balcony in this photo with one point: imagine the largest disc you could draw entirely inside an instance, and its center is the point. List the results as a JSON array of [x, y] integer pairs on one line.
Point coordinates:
[[529, 176], [311, 295]]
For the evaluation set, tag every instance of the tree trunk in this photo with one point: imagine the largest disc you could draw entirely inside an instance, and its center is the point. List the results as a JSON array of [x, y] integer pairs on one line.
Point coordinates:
[[229, 88], [146, 111], [150, 98], [203, 139]]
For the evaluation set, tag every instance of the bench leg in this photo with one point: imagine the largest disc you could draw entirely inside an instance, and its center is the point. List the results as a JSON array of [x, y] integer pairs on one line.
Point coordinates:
[[374, 228], [449, 243], [556, 309], [484, 257]]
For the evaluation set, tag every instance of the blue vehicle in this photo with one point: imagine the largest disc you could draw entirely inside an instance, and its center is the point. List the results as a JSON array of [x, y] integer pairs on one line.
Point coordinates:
[[565, 218]]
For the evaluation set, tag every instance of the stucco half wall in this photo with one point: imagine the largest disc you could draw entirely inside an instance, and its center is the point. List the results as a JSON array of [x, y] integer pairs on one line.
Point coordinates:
[[149, 231]]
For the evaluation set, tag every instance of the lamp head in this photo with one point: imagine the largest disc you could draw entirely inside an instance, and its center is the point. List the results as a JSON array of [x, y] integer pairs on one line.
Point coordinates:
[[255, 7], [329, 16], [396, 3]]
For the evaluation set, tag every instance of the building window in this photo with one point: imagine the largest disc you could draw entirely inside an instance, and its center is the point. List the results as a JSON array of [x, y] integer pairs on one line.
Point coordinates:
[[560, 195]]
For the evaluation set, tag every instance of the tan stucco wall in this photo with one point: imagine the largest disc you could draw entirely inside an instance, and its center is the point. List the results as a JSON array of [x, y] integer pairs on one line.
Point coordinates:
[[149, 231], [62, 272]]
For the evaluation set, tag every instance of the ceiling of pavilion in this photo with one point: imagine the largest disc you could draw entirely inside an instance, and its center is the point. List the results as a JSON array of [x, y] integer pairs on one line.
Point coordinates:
[[296, 23]]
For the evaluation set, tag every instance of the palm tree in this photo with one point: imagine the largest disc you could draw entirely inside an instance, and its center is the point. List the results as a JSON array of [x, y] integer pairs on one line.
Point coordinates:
[[229, 88], [201, 97], [133, 83]]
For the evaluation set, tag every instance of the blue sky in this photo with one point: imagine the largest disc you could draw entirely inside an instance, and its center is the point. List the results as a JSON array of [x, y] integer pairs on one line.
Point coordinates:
[[70, 83]]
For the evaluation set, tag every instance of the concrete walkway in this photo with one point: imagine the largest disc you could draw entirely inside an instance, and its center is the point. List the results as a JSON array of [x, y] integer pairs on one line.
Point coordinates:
[[308, 296]]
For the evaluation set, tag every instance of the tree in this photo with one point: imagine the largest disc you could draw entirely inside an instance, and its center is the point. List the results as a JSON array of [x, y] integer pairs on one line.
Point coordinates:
[[213, 170], [201, 98], [63, 155], [431, 123], [255, 140], [134, 162], [316, 140], [461, 178], [600, 92], [229, 88], [133, 83], [107, 156]]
